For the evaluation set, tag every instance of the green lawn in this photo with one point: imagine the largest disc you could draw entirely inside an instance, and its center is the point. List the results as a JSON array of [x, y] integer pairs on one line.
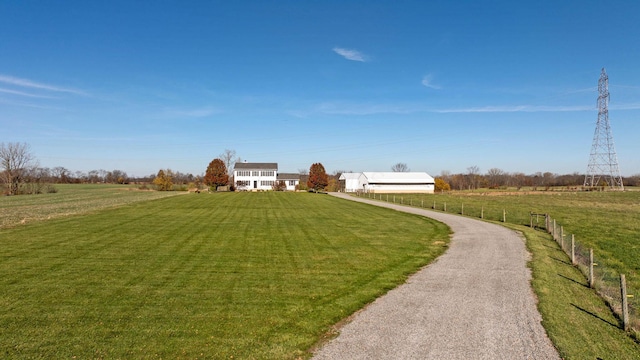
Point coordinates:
[[231, 275]]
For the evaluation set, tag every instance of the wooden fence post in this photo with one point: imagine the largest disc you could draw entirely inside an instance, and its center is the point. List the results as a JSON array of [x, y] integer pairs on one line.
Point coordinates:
[[482, 212], [445, 207], [504, 215], [591, 280], [554, 230], [401, 200], [625, 304], [462, 209], [530, 219], [547, 223], [422, 203], [562, 237], [573, 249], [434, 204]]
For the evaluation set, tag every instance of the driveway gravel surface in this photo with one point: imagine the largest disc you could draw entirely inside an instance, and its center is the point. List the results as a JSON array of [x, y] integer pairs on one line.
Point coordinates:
[[473, 302]]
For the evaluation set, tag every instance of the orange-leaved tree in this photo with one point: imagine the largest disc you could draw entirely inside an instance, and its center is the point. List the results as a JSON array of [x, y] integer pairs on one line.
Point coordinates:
[[216, 174], [318, 178], [164, 180]]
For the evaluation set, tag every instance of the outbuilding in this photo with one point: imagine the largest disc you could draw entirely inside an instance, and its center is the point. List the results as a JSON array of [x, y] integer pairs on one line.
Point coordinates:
[[350, 182], [396, 182]]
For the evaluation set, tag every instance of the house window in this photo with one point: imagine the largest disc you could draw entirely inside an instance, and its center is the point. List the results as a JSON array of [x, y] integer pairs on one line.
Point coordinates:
[[266, 183], [240, 183], [256, 173], [267, 173], [292, 183], [244, 173]]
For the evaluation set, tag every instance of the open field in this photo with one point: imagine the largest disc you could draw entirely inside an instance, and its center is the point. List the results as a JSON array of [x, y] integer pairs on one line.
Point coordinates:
[[70, 200], [231, 275]]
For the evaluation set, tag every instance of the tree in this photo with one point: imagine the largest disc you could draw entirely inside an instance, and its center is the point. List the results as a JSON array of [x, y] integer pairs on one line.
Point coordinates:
[[229, 158], [15, 160], [496, 177], [279, 186], [164, 180], [400, 167], [318, 178], [441, 185], [216, 174], [474, 174]]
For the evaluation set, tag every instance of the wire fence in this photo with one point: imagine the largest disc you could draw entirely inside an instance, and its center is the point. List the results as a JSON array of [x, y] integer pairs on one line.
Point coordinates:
[[610, 285]]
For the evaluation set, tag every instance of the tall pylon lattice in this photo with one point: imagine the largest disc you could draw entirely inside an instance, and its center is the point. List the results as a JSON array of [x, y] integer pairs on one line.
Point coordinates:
[[603, 167]]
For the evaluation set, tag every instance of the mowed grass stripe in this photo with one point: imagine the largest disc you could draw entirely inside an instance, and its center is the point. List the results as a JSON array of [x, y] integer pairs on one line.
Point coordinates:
[[248, 275]]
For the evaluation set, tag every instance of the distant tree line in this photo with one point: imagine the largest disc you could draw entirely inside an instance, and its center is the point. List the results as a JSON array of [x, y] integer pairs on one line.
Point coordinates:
[[496, 178]]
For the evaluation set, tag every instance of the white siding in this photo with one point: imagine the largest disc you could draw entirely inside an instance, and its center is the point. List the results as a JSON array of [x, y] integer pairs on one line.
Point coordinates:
[[352, 182], [397, 182]]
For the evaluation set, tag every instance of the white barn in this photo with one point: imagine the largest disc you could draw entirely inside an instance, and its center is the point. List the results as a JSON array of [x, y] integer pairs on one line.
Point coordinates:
[[351, 182], [255, 176], [396, 182]]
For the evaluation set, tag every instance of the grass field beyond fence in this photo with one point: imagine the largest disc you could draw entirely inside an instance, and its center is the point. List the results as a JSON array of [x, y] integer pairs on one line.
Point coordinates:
[[233, 275]]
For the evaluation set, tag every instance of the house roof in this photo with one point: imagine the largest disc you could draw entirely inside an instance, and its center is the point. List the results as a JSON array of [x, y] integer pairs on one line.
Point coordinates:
[[288, 176], [350, 176], [256, 166], [398, 177]]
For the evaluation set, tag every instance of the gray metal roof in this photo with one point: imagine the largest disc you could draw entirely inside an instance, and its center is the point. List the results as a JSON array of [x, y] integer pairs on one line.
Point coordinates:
[[288, 176], [256, 166]]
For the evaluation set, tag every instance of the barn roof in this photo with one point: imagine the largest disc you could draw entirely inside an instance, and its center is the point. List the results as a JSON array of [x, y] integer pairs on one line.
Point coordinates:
[[349, 176], [398, 177], [256, 166]]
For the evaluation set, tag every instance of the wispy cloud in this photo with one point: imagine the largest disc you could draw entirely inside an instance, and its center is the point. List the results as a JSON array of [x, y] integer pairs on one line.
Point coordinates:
[[514, 108], [192, 113], [22, 93], [25, 83], [427, 81], [365, 109], [349, 54]]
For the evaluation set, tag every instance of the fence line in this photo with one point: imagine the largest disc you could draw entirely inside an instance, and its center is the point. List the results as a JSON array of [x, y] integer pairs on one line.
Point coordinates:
[[609, 285]]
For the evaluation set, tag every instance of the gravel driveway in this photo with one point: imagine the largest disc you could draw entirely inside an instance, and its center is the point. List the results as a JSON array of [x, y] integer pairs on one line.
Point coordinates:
[[473, 302]]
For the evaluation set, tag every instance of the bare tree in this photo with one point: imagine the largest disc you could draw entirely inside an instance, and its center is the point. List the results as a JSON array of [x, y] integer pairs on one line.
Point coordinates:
[[474, 174], [229, 158], [496, 177], [400, 167], [15, 160]]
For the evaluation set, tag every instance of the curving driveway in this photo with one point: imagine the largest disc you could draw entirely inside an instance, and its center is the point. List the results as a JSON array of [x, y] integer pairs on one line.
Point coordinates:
[[473, 302]]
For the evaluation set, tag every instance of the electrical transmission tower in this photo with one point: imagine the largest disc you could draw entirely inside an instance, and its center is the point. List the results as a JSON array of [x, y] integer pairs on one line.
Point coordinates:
[[603, 162]]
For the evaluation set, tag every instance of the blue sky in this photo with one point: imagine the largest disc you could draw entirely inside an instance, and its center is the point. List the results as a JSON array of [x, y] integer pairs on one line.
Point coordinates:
[[358, 86]]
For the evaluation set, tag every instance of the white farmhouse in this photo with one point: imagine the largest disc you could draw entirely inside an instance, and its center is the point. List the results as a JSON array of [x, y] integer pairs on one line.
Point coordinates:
[[255, 176], [350, 182], [396, 182]]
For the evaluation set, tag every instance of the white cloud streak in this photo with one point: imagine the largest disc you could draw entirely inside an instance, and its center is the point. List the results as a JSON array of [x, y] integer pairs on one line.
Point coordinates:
[[515, 108], [22, 93], [350, 54], [427, 81], [25, 83], [191, 113], [365, 109]]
